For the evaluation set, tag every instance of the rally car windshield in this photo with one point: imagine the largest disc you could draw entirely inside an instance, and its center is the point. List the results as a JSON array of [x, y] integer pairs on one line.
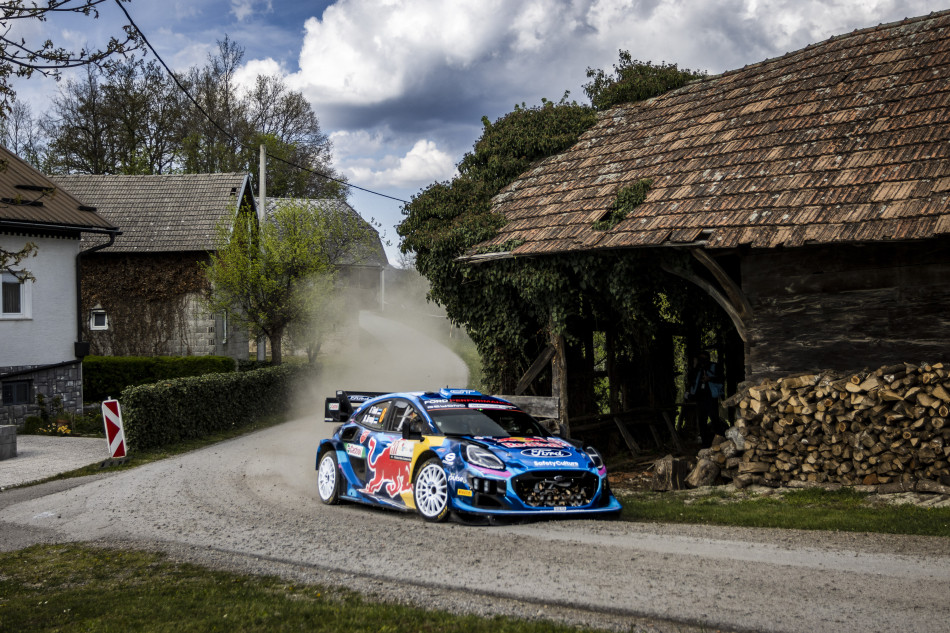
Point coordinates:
[[486, 423]]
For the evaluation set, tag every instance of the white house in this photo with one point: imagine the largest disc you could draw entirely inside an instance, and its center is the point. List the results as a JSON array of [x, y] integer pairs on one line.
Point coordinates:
[[41, 344]]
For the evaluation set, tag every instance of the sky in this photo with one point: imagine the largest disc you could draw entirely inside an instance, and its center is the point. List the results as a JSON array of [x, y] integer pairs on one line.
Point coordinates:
[[401, 86]]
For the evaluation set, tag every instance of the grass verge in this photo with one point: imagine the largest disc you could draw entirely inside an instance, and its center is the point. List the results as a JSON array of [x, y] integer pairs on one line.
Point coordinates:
[[843, 510], [67, 588]]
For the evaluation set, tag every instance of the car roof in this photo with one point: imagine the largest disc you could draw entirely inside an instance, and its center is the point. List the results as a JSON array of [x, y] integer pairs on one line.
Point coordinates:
[[445, 398]]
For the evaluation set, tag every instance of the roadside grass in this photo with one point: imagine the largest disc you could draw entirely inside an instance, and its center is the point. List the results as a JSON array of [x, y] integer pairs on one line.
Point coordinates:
[[67, 588], [138, 458], [844, 510]]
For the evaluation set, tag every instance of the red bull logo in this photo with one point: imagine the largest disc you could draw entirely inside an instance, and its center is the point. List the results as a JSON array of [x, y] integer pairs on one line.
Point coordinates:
[[394, 473]]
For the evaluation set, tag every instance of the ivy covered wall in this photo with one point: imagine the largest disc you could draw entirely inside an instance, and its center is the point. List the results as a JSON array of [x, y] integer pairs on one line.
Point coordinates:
[[152, 304]]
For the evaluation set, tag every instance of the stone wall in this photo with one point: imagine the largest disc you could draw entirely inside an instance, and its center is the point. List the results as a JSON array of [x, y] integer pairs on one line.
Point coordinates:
[[63, 381]]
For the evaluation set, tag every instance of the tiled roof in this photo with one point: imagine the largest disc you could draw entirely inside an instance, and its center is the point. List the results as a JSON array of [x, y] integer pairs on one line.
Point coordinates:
[[29, 197], [372, 254], [844, 141], [163, 213]]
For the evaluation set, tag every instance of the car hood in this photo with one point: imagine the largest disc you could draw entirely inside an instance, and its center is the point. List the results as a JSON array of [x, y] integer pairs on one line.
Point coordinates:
[[537, 452]]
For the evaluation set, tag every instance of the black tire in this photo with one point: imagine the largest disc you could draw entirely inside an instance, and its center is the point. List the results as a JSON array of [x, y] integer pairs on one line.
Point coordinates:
[[328, 478], [430, 491]]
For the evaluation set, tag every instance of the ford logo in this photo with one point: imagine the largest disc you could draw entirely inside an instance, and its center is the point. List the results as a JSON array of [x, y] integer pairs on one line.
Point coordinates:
[[541, 453]]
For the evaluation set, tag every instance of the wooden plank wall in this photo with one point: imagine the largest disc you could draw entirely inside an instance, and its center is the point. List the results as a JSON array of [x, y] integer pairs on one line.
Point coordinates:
[[847, 306]]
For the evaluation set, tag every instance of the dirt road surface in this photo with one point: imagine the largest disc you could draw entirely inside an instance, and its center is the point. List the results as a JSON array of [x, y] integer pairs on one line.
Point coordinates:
[[250, 504]]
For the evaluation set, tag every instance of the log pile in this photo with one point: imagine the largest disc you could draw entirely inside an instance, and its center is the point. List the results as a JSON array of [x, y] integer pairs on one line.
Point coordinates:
[[884, 426]]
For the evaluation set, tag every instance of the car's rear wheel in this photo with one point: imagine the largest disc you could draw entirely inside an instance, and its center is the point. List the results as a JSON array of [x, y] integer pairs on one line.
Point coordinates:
[[328, 479], [430, 491]]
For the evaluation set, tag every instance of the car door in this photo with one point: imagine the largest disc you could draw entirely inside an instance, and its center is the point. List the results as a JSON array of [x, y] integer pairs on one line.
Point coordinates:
[[357, 439], [389, 460]]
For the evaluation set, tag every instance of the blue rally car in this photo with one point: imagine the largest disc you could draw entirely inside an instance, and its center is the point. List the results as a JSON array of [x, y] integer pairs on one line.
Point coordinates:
[[455, 451]]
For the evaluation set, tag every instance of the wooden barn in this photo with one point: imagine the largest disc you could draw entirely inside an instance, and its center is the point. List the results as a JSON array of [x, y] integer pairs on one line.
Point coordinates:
[[808, 194]]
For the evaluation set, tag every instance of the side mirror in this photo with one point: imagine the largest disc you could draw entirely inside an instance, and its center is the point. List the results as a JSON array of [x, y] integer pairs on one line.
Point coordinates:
[[409, 433]]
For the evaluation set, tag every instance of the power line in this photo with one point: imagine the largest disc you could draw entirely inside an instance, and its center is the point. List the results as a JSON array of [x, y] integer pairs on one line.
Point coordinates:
[[228, 134]]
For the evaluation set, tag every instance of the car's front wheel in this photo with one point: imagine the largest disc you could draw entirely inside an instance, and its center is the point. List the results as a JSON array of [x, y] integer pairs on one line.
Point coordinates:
[[430, 491], [328, 479]]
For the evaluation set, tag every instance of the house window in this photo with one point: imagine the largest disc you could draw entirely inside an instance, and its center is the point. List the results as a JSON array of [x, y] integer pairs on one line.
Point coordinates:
[[17, 392], [15, 300], [98, 320]]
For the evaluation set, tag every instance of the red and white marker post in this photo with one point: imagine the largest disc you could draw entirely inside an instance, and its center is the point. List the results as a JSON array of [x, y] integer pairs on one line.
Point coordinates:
[[115, 434]]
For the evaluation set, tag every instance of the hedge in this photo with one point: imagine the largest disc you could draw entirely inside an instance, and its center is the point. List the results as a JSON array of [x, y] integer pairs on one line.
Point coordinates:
[[171, 411], [107, 376]]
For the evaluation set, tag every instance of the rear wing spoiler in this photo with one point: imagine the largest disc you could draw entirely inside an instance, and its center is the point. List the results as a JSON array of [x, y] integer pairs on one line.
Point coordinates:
[[341, 407]]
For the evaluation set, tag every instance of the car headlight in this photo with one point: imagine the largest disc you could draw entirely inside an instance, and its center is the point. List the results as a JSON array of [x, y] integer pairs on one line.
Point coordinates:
[[482, 457], [594, 456]]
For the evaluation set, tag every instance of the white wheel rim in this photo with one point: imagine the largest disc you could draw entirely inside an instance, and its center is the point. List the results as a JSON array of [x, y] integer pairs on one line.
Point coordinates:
[[326, 477], [432, 491]]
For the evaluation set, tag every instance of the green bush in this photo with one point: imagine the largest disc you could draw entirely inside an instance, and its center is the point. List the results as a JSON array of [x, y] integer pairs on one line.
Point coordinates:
[[107, 376], [170, 411]]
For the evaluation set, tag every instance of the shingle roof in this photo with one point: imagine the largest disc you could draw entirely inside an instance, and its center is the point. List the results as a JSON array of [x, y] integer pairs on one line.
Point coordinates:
[[29, 197], [163, 213], [372, 254], [844, 141]]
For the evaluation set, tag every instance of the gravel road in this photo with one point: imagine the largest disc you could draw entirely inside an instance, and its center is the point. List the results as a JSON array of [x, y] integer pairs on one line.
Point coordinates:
[[250, 504]]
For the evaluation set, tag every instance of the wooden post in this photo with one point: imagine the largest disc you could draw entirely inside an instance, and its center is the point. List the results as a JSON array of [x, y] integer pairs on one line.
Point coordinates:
[[559, 384]]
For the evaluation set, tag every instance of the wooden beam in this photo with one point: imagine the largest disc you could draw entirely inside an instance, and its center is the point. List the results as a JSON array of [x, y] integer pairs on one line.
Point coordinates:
[[536, 368], [713, 292], [627, 438], [733, 291]]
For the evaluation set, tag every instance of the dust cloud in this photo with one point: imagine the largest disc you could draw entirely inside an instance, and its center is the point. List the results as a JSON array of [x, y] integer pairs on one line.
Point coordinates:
[[394, 344]]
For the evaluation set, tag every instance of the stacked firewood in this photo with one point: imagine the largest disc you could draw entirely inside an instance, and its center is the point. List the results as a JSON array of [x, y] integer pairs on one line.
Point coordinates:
[[869, 427]]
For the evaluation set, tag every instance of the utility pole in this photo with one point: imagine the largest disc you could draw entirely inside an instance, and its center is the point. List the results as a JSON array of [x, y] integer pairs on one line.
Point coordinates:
[[261, 218]]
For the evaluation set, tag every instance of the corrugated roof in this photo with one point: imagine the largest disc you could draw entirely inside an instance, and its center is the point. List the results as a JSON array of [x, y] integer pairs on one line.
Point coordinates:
[[162, 213], [844, 141], [371, 254], [29, 197]]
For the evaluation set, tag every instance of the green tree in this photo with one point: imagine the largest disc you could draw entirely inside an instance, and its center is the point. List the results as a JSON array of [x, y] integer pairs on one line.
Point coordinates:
[[21, 55], [122, 120], [276, 275], [633, 80], [21, 134], [447, 219], [267, 114], [511, 308]]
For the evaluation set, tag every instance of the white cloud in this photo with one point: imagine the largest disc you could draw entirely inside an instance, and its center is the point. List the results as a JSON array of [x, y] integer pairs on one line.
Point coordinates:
[[243, 9], [246, 75], [423, 164], [347, 144], [366, 52]]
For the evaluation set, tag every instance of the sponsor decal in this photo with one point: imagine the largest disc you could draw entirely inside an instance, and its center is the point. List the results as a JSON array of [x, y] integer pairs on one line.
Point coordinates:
[[459, 392], [457, 478], [560, 509], [557, 462], [334, 406], [447, 405], [463, 492], [355, 450], [402, 450], [449, 458], [363, 436], [489, 405], [529, 442], [437, 401], [389, 475], [543, 453]]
